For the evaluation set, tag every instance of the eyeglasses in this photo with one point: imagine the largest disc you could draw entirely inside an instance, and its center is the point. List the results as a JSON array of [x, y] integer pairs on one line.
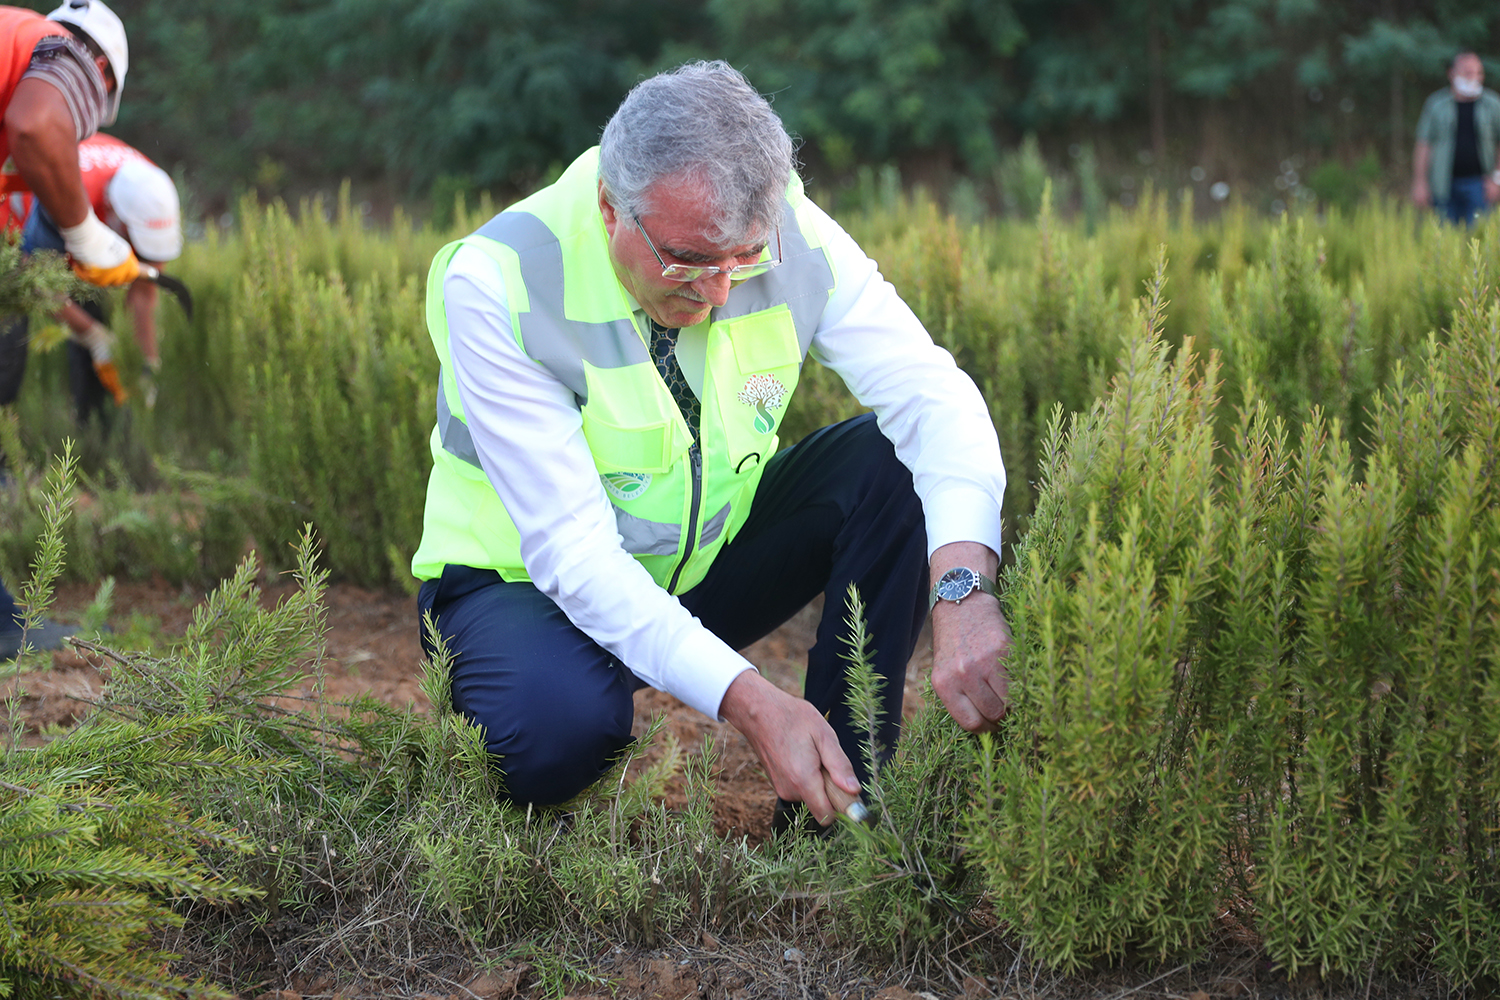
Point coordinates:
[[692, 272]]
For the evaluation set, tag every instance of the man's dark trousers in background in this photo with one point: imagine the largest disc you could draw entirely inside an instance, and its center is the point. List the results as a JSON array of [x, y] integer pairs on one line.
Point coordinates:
[[838, 507], [1466, 201]]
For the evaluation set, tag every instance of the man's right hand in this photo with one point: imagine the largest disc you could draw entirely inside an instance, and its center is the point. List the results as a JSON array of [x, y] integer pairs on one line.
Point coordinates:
[[100, 255], [795, 744]]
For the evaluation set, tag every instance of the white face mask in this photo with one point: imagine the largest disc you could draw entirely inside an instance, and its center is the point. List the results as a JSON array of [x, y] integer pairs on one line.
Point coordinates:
[[1465, 86]]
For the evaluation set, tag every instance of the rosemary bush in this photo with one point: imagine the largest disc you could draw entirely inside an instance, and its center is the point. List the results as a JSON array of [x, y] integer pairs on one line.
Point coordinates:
[[90, 857], [1262, 680], [305, 386]]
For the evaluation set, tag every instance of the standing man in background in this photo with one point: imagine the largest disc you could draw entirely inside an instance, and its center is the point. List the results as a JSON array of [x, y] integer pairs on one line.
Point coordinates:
[[138, 200], [60, 79], [1454, 165], [608, 508]]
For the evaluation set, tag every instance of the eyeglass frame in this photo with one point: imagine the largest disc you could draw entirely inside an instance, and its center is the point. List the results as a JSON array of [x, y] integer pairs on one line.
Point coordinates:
[[760, 266]]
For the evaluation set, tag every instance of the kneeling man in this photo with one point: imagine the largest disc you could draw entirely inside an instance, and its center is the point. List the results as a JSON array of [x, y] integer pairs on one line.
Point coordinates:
[[608, 508]]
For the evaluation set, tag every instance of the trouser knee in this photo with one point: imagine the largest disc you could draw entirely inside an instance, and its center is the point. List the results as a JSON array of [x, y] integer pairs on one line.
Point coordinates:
[[550, 757], [556, 709]]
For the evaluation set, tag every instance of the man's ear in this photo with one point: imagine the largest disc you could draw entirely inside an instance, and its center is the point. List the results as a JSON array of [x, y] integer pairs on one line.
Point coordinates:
[[107, 73], [611, 217]]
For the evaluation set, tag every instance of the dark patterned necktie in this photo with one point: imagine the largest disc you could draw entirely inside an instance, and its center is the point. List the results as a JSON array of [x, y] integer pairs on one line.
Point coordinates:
[[664, 353]]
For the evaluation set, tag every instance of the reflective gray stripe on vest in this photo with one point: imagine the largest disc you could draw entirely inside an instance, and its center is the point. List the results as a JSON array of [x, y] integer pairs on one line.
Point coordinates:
[[561, 345], [453, 432], [548, 336], [647, 538], [803, 282], [714, 528]]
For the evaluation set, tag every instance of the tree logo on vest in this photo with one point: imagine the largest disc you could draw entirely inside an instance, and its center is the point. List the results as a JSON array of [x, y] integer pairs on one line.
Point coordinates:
[[765, 393], [625, 485]]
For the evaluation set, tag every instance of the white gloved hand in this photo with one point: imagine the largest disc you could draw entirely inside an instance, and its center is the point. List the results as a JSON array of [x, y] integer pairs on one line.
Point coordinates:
[[150, 381], [99, 341], [100, 255]]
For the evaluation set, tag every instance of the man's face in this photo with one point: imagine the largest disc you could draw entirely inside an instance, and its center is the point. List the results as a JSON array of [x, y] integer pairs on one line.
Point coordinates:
[[1467, 76], [676, 223]]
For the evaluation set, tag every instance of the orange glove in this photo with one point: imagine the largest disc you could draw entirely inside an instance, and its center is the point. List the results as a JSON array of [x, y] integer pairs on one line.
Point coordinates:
[[109, 377], [100, 344], [108, 277], [100, 255]]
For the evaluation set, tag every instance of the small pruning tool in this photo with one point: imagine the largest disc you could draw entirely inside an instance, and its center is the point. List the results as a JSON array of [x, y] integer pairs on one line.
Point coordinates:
[[848, 805]]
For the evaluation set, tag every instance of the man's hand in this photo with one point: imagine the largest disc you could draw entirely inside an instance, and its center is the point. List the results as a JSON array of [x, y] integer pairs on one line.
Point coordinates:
[[150, 381], [100, 255], [100, 343], [1421, 160], [795, 744], [970, 644]]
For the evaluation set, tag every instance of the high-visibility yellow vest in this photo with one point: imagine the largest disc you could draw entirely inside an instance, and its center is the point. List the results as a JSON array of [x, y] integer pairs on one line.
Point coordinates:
[[675, 506]]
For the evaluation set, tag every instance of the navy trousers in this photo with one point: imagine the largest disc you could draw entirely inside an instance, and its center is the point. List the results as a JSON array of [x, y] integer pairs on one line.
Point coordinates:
[[556, 709]]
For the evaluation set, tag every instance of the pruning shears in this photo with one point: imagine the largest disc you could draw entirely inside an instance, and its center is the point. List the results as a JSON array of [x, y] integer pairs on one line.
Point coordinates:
[[168, 283]]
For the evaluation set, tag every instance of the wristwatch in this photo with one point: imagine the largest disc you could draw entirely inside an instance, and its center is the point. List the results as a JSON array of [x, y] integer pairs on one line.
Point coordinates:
[[958, 583]]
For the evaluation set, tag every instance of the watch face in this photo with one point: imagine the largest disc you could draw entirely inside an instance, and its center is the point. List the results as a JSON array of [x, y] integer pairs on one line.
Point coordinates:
[[956, 584]]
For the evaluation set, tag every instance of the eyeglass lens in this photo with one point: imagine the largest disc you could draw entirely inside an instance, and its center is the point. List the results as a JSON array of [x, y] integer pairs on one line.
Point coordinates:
[[692, 272]]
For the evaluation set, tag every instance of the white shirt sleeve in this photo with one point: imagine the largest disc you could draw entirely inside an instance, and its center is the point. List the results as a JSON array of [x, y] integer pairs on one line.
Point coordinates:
[[925, 404], [528, 432]]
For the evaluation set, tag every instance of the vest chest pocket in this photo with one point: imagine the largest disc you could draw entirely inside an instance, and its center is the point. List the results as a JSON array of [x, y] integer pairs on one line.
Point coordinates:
[[755, 367], [650, 448], [627, 422]]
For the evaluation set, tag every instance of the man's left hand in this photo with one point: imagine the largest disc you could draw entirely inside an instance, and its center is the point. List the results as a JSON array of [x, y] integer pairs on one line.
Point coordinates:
[[970, 644]]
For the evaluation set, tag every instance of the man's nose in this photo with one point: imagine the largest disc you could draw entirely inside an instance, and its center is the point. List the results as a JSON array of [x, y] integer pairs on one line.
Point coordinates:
[[714, 288]]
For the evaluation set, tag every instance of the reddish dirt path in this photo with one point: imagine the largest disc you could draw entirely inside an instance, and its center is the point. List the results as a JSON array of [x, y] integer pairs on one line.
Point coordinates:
[[373, 649]]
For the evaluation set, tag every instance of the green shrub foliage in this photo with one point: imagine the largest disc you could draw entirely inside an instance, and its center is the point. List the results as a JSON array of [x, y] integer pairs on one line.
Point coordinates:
[[304, 388], [1255, 592], [90, 856], [30, 283], [1260, 679]]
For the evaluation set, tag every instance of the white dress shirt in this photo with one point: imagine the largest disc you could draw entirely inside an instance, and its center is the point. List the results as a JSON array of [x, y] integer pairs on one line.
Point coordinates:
[[528, 431]]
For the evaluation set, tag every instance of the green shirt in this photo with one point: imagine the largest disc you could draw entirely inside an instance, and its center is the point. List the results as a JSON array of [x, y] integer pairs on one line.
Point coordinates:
[[1438, 127]]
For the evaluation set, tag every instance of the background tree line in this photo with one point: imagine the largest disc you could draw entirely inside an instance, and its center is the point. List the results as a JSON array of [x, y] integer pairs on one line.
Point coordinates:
[[425, 97]]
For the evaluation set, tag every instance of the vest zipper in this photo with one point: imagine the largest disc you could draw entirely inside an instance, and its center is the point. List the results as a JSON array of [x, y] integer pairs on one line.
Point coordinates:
[[695, 457]]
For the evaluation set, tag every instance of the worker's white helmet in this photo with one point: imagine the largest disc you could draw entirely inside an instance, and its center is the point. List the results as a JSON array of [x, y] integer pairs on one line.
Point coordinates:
[[104, 27], [144, 199]]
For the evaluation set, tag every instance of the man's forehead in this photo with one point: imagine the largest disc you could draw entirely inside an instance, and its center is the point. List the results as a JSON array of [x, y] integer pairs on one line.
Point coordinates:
[[682, 218]]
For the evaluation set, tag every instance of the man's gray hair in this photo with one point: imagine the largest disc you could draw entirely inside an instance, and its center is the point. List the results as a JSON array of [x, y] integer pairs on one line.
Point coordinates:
[[705, 125]]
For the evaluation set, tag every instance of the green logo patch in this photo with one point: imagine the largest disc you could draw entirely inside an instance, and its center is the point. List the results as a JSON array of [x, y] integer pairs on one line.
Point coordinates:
[[625, 485]]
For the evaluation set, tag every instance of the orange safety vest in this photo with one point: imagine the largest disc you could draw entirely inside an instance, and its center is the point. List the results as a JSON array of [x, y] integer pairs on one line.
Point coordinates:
[[20, 30]]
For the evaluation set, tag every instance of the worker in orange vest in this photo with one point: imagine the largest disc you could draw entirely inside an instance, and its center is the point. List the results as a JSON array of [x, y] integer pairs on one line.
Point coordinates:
[[138, 200], [60, 79]]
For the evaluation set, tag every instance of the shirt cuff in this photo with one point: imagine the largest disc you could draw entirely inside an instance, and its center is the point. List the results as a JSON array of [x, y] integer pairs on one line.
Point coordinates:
[[706, 668], [962, 515]]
